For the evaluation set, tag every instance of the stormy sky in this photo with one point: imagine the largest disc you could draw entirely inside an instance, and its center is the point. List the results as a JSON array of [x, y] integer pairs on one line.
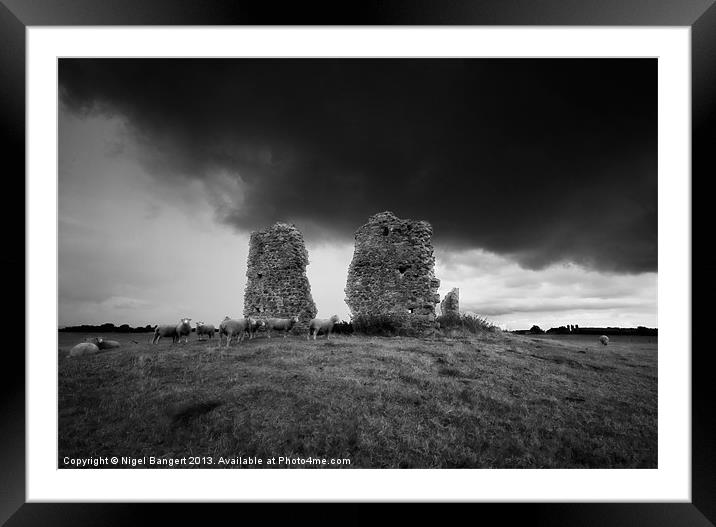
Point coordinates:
[[539, 177]]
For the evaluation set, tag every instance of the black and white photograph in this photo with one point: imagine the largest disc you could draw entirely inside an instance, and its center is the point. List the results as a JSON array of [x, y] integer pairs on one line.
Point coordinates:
[[372, 263]]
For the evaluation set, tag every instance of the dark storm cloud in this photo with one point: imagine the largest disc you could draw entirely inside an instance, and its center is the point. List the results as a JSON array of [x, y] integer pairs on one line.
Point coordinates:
[[541, 160]]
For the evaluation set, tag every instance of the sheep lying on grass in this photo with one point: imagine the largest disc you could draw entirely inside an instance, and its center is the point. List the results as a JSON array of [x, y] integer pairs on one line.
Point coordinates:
[[205, 329], [175, 332], [604, 340], [280, 324], [102, 343], [84, 348], [322, 324]]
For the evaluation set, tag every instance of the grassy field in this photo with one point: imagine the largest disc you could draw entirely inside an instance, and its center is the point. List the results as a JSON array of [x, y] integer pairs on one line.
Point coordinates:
[[492, 400]]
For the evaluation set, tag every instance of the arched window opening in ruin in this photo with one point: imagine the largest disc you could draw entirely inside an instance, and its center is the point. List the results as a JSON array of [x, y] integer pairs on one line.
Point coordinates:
[[385, 231], [403, 268], [260, 275]]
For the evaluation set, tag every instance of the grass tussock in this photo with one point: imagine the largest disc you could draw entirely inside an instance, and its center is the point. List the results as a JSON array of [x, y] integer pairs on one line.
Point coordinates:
[[466, 322], [484, 400]]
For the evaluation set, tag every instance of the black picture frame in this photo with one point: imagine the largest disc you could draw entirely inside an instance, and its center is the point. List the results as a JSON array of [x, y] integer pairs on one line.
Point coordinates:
[[17, 15]]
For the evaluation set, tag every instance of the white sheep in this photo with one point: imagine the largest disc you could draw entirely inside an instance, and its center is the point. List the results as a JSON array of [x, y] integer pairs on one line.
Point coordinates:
[[183, 329], [280, 324], [233, 328], [604, 340], [84, 348], [322, 324], [205, 329]]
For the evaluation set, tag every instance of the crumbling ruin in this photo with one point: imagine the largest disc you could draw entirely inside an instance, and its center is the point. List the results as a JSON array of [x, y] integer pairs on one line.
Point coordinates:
[[392, 271], [450, 305], [277, 285]]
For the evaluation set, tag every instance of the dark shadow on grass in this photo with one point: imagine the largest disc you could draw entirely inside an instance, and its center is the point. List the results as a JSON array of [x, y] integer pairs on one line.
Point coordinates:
[[182, 413]]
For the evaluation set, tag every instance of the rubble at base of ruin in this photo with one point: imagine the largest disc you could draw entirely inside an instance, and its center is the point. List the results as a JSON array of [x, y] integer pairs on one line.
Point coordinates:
[[392, 271], [451, 303], [277, 285]]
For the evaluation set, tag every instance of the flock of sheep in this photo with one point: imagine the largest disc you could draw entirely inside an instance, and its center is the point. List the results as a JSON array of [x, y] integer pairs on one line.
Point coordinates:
[[230, 328], [239, 328]]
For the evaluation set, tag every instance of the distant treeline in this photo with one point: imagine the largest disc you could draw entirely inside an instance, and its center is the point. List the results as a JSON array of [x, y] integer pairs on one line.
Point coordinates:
[[576, 330], [343, 328], [107, 328]]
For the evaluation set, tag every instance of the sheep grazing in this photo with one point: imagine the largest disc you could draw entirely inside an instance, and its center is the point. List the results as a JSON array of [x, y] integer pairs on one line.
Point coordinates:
[[280, 324], [254, 326], [205, 329], [102, 343], [322, 324], [183, 329], [84, 348], [233, 328], [604, 340]]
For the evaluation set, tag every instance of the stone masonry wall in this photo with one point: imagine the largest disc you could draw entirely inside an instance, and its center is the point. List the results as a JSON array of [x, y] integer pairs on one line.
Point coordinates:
[[451, 303], [392, 271], [277, 285]]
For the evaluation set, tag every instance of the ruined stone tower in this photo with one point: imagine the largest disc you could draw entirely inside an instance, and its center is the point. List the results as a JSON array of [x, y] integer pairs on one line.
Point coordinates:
[[277, 285], [392, 270], [451, 303]]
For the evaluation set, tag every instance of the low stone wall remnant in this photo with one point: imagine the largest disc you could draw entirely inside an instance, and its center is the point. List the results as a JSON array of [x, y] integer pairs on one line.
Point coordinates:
[[451, 303]]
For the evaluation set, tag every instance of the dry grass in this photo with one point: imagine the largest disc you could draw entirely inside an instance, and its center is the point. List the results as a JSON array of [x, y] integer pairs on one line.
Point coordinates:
[[492, 400]]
